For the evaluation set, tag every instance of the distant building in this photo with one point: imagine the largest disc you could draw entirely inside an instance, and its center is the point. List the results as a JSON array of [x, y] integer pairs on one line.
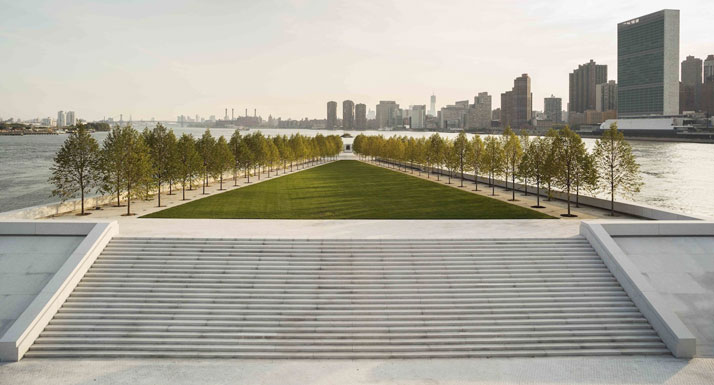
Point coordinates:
[[583, 82], [61, 119], [479, 114], [453, 117], [71, 119], [517, 104], [348, 115], [417, 116], [432, 105], [371, 114], [496, 114], [690, 96], [331, 115], [708, 86], [388, 114], [647, 65], [360, 117], [553, 109], [606, 96]]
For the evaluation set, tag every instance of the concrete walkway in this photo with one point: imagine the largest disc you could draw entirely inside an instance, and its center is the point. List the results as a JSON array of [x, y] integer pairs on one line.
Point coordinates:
[[582, 371]]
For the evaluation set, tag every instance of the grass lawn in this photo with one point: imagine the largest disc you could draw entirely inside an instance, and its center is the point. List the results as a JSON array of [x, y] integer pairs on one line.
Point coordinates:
[[348, 189]]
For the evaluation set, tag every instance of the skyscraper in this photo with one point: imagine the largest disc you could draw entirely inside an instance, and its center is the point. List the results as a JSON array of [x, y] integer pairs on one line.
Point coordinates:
[[387, 113], [331, 115], [606, 96], [517, 104], [360, 117], [479, 114], [417, 116], [70, 119], [61, 122], [432, 105], [708, 86], [348, 115], [690, 98], [582, 86], [553, 109], [647, 65]]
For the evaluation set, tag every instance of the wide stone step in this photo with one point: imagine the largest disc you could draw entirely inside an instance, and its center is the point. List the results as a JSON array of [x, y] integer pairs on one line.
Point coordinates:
[[351, 355], [206, 328], [55, 343], [92, 335], [345, 349]]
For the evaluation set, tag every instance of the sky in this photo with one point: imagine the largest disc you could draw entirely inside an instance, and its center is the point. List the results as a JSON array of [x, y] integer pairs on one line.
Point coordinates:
[[161, 59]]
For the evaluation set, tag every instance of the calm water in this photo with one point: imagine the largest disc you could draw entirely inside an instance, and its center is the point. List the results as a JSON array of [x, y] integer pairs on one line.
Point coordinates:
[[677, 176]]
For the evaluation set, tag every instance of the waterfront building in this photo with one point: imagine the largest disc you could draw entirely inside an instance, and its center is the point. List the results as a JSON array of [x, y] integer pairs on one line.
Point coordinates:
[[583, 81], [479, 113], [553, 109], [61, 122], [496, 115], [432, 106], [388, 114], [348, 115], [71, 120], [360, 116], [331, 115], [606, 96], [690, 96], [453, 117], [647, 65], [417, 116], [517, 104], [708, 86]]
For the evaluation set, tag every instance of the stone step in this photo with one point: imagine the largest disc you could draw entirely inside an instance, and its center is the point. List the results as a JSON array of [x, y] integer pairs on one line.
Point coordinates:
[[575, 352], [92, 335], [54, 343], [347, 349], [385, 256], [267, 241], [206, 328]]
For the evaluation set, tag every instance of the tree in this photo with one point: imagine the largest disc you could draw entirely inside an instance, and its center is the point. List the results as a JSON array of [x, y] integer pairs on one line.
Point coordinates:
[[461, 150], [586, 175], [525, 143], [235, 146], [513, 152], [493, 160], [189, 161], [112, 161], [475, 158], [222, 160], [205, 147], [76, 167], [534, 163], [616, 165], [435, 152], [451, 158], [162, 152], [550, 170], [570, 148], [136, 168]]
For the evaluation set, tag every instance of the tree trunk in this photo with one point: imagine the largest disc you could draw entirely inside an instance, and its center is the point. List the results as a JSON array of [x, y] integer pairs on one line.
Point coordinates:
[[128, 199], [513, 186], [158, 194], [81, 188], [183, 191]]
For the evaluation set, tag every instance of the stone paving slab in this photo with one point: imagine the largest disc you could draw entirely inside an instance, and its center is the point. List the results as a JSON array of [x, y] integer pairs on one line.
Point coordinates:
[[582, 371]]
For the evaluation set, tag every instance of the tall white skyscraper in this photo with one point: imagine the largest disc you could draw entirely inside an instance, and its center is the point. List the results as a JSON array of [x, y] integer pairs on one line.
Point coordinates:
[[61, 122], [71, 120], [432, 106]]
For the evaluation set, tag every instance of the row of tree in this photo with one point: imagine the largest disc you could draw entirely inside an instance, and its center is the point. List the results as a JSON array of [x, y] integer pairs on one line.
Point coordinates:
[[559, 159], [137, 164]]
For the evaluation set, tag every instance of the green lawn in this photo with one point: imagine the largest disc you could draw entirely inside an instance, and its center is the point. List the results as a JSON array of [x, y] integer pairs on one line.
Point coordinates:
[[348, 189]]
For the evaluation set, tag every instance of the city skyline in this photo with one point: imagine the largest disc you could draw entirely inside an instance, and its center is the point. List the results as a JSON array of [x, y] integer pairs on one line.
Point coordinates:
[[281, 61]]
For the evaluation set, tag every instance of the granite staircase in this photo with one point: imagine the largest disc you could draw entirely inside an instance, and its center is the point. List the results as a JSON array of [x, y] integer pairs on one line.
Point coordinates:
[[247, 298]]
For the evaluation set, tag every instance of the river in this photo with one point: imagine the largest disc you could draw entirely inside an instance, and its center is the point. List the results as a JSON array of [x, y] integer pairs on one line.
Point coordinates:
[[677, 176]]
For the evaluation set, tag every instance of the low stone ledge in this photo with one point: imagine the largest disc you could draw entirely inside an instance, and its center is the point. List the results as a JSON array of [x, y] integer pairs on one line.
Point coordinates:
[[674, 333], [30, 323]]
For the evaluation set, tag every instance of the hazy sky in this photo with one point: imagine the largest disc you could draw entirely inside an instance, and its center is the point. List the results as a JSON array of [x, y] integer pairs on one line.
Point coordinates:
[[288, 58]]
